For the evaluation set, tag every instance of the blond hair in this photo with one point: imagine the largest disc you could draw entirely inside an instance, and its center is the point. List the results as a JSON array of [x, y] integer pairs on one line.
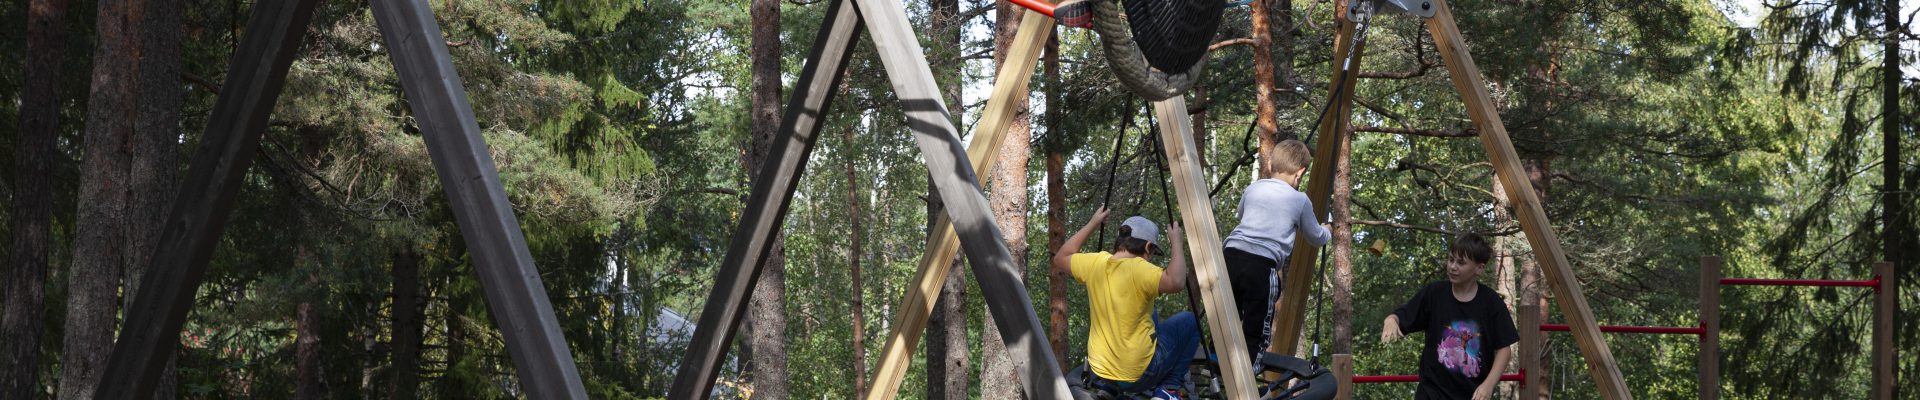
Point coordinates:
[[1288, 156]]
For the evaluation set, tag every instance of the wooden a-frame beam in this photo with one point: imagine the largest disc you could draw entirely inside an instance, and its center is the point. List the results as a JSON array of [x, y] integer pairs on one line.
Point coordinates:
[[1532, 215], [1010, 85], [498, 249], [1290, 316], [1203, 243], [256, 74], [993, 265], [773, 187]]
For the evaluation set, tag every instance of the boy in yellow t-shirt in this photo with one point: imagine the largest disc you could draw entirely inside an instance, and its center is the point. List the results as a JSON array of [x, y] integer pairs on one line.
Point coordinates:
[[1126, 350]]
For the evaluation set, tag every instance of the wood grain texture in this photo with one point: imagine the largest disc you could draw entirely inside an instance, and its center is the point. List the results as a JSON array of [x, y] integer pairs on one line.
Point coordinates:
[[992, 263], [1203, 245], [1527, 208], [1011, 84]]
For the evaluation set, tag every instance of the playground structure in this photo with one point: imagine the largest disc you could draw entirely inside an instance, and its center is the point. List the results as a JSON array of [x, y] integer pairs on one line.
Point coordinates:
[[976, 234], [519, 303], [1527, 352]]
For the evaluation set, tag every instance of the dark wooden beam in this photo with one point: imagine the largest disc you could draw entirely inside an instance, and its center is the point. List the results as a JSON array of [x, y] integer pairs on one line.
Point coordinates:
[[256, 74], [992, 264], [508, 277], [773, 188]]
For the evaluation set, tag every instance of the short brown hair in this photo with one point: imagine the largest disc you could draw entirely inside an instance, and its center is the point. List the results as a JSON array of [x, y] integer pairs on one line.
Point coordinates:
[[1471, 246], [1288, 156]]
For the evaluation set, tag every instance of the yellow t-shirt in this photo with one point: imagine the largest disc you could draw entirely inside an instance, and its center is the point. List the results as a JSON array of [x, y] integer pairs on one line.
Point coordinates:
[[1120, 295]]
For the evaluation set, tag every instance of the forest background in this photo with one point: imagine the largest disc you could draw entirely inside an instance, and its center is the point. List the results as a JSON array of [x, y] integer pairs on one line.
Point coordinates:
[[1775, 134]]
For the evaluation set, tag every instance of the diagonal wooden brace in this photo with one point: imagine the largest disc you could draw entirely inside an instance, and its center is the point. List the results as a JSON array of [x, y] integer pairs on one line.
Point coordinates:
[[766, 208], [1532, 216], [1203, 242], [910, 323], [993, 265]]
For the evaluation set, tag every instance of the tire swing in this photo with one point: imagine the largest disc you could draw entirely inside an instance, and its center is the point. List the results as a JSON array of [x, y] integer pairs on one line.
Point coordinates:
[[1157, 48]]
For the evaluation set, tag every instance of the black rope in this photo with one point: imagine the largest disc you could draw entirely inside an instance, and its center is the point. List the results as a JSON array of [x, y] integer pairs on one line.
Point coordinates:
[[1235, 167], [1166, 202], [1113, 162], [1320, 309]]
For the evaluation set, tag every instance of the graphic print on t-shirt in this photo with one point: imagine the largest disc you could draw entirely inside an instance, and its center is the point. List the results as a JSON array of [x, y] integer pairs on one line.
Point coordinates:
[[1460, 348]]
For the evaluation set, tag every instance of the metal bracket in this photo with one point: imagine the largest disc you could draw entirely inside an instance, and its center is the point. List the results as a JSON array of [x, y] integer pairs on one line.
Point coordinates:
[[1418, 8]]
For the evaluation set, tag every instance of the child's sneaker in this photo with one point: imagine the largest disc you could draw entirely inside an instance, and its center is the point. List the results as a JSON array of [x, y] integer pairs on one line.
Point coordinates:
[[1074, 13], [1166, 394]]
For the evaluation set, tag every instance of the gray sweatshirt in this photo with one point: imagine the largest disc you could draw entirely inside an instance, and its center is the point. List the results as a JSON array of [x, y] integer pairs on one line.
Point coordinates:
[[1271, 212]]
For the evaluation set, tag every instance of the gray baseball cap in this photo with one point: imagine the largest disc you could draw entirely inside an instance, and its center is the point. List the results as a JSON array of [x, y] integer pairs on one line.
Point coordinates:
[[1143, 228]]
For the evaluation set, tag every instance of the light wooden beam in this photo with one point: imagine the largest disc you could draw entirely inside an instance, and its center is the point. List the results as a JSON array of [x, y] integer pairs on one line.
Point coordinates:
[[1343, 373], [910, 323], [1710, 322], [1533, 217], [1203, 243], [1290, 316], [993, 265], [1884, 306], [1531, 348]]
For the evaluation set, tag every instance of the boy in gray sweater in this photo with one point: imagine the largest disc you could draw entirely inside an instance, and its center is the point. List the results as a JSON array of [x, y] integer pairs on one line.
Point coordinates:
[[1272, 212]]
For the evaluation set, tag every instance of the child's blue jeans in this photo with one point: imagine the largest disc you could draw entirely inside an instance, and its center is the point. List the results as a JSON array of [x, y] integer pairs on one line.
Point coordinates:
[[1177, 337]]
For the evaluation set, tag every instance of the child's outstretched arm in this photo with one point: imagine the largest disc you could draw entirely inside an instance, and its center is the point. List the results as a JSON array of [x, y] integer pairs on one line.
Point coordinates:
[[1063, 259], [1174, 279], [1309, 226], [1485, 391]]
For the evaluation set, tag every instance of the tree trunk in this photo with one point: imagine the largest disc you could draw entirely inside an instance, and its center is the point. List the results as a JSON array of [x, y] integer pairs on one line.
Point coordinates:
[[307, 355], [1056, 202], [156, 141], [33, 157], [407, 325], [946, 338], [768, 336], [1898, 239], [1895, 223], [1200, 132], [1266, 112], [1503, 272], [1533, 287], [853, 261], [948, 354], [102, 221], [1341, 205], [447, 386], [1008, 200]]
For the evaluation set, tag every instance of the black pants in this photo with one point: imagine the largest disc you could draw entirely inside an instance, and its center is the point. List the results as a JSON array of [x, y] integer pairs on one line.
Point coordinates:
[[1256, 285]]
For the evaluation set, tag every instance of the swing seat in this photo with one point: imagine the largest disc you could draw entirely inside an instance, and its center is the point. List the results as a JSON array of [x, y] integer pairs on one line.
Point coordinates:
[[1310, 382]]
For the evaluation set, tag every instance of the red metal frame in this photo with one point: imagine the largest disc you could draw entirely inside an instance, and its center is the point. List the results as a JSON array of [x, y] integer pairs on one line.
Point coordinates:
[[1698, 330], [1522, 376], [1867, 283], [1042, 6]]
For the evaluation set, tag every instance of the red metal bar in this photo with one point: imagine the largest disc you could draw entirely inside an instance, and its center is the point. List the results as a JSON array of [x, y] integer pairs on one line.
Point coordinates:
[[1037, 5], [1632, 329], [1866, 283], [1416, 378]]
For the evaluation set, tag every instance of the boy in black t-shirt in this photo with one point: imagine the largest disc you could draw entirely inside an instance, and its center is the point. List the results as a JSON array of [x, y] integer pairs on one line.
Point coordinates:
[[1469, 331]]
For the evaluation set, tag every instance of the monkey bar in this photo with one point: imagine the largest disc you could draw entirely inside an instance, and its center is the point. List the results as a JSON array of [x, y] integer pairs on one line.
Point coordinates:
[[1865, 283], [1352, 379], [1668, 330]]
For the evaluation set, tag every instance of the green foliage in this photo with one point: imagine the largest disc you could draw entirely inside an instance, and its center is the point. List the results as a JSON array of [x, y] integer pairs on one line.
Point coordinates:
[[1663, 131]]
